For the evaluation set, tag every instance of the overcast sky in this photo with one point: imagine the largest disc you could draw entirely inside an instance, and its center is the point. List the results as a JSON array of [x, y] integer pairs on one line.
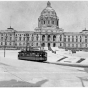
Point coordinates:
[[24, 15]]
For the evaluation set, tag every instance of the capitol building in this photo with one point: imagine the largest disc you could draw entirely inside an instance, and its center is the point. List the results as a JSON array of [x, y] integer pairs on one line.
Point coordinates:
[[47, 34]]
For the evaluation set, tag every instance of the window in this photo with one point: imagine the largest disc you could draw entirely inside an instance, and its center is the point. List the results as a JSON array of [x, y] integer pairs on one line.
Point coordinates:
[[52, 22], [1, 43], [15, 44], [80, 40], [86, 40], [76, 40], [86, 45], [48, 44], [64, 39], [68, 39], [44, 22], [57, 22], [23, 43], [80, 37], [43, 44], [32, 44], [16, 38], [1, 38], [32, 38], [48, 37], [19, 44], [85, 36], [41, 21], [16, 34], [43, 37], [36, 44], [68, 45], [54, 38], [48, 22], [72, 38], [60, 44], [27, 38], [54, 44], [37, 37], [1, 34], [10, 43], [76, 45], [60, 38], [24, 38], [10, 38], [72, 45], [68, 36], [19, 38], [5, 43], [64, 35]]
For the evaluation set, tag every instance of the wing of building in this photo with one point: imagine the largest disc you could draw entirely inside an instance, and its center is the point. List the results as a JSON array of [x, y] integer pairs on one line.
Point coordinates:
[[46, 34]]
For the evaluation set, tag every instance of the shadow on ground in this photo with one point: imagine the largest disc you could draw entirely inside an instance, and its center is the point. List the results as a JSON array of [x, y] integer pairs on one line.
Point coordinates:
[[15, 83], [83, 79]]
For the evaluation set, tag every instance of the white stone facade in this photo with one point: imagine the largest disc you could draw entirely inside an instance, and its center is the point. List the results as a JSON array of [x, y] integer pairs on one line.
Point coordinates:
[[46, 34]]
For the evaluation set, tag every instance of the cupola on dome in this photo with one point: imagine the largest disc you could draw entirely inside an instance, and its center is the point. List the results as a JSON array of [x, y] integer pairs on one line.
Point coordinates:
[[48, 11]]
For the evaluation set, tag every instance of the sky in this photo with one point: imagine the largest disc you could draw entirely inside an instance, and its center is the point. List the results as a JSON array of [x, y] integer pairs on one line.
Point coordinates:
[[23, 15]]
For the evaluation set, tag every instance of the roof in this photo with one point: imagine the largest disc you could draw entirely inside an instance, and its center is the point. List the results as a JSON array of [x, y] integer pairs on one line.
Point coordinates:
[[48, 11]]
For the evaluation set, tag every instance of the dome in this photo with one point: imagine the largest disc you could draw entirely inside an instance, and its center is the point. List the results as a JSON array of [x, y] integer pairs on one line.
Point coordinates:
[[48, 11]]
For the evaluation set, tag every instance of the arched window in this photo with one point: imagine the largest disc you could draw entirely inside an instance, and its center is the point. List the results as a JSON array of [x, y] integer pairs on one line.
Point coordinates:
[[36, 44], [54, 38], [48, 37], [48, 44], [43, 44], [43, 37]]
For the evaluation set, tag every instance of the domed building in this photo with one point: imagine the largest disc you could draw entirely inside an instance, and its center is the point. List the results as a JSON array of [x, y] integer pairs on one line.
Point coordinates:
[[48, 26], [48, 20], [47, 34]]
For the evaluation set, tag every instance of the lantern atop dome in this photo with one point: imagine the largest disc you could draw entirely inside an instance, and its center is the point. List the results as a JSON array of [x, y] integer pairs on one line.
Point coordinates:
[[48, 4]]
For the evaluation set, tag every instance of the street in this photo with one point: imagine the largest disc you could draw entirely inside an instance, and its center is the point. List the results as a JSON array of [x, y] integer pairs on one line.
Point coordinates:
[[35, 74]]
